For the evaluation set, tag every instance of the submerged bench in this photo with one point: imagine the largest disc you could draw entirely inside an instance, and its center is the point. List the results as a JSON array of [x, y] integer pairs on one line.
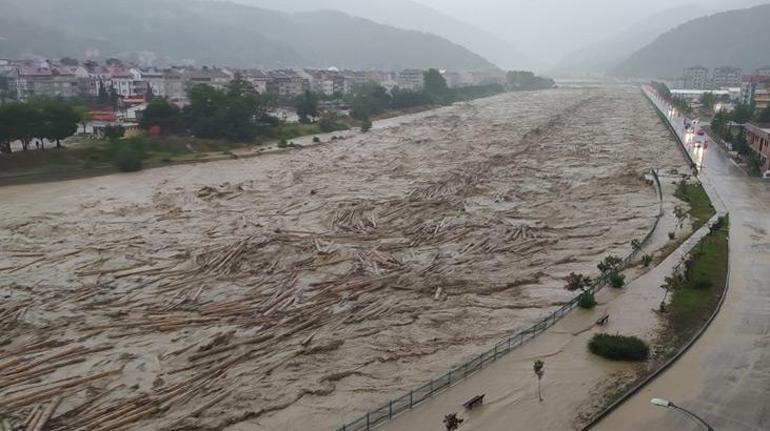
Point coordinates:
[[474, 402], [603, 320]]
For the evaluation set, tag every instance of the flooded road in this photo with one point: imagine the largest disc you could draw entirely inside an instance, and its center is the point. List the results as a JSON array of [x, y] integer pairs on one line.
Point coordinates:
[[724, 378], [297, 290]]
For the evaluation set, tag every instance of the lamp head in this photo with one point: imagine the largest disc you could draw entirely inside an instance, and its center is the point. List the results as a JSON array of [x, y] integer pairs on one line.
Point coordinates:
[[660, 402]]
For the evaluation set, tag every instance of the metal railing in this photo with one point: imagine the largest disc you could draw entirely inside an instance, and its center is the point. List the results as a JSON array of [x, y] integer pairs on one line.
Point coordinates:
[[408, 401]]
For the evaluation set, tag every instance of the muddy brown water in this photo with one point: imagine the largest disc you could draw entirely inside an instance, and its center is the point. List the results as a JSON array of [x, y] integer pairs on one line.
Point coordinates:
[[297, 290]]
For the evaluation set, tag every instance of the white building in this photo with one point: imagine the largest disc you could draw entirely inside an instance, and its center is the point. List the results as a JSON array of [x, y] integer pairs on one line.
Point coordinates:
[[411, 79]]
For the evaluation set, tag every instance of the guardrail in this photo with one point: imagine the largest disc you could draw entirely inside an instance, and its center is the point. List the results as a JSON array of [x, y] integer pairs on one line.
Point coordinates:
[[656, 102], [408, 401]]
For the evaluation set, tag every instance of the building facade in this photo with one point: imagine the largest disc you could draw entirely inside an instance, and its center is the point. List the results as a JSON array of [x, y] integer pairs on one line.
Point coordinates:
[[758, 138], [726, 77], [696, 78], [411, 79]]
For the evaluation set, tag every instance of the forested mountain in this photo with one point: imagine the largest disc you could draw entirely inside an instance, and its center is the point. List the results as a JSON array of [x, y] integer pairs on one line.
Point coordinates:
[[219, 33], [738, 38], [411, 15]]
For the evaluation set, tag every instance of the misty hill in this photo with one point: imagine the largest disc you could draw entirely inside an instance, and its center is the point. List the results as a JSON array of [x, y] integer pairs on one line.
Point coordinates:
[[738, 38], [598, 58], [219, 33], [410, 15]]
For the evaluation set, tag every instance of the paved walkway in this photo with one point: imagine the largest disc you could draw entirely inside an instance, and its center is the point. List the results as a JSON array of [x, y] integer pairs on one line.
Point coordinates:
[[725, 377]]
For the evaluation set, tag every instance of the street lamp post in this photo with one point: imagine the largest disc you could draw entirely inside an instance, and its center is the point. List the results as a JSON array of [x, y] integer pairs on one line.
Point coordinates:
[[669, 405]]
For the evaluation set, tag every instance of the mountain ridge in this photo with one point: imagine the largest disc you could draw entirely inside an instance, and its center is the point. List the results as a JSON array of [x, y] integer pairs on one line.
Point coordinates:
[[222, 33], [737, 38]]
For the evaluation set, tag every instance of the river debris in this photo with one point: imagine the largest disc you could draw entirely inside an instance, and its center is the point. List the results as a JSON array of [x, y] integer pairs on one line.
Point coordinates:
[[217, 294]]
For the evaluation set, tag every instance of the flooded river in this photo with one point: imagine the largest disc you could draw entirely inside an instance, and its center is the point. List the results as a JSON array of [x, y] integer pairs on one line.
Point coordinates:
[[296, 290]]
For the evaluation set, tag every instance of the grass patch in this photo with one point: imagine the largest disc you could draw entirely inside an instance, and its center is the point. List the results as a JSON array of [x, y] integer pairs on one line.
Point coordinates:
[[701, 209], [619, 347], [695, 300]]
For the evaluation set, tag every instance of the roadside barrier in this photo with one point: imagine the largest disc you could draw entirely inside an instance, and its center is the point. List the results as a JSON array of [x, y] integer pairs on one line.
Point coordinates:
[[408, 401]]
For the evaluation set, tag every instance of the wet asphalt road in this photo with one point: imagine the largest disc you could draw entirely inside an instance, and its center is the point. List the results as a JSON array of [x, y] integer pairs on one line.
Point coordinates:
[[725, 377]]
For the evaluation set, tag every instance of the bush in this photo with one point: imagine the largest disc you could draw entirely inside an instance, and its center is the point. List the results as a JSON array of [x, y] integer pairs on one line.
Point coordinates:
[[366, 126], [329, 123], [283, 143], [577, 282], [128, 159], [619, 347], [316, 139], [646, 260], [617, 280], [587, 300], [671, 235], [610, 263]]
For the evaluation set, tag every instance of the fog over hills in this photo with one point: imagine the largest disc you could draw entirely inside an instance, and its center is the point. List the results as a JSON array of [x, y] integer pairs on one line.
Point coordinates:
[[411, 15], [598, 58], [739, 38], [219, 33]]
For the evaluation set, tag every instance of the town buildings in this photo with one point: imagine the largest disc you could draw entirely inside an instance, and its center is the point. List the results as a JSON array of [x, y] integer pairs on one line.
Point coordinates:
[[758, 138], [696, 78], [411, 79], [131, 84], [726, 77]]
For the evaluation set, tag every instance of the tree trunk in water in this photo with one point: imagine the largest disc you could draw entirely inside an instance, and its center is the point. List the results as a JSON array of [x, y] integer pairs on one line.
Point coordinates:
[[539, 393], [58, 143]]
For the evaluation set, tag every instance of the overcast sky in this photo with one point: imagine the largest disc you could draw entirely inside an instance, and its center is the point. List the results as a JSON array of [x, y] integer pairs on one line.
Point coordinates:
[[561, 26]]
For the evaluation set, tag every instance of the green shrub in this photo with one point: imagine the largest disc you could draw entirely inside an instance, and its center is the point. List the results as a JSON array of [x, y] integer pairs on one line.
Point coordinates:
[[587, 300], [619, 347], [366, 126], [617, 280], [329, 123], [316, 139], [283, 143], [646, 260], [128, 159]]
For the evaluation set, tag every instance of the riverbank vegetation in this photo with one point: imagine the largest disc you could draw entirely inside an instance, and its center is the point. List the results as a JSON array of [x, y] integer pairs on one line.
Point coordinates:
[[226, 119], [701, 210], [695, 288]]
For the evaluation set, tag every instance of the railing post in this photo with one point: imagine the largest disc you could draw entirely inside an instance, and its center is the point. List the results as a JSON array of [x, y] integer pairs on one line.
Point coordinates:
[[495, 352], [431, 387], [390, 409], [411, 401], [367, 421]]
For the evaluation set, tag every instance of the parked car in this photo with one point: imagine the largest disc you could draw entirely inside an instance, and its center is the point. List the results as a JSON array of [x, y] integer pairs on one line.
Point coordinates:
[[701, 132]]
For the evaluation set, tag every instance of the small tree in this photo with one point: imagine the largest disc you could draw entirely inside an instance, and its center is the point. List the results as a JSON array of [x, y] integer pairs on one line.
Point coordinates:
[[617, 280], [366, 126], [587, 300], [610, 263], [452, 422], [539, 368], [577, 282], [307, 107], [84, 116]]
